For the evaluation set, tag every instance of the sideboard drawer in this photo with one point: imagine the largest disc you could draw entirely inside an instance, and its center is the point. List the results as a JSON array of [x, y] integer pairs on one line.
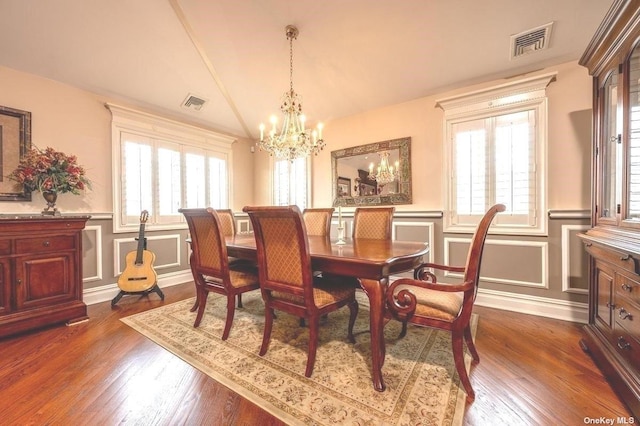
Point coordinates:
[[627, 316], [627, 287], [617, 258], [45, 244], [626, 345]]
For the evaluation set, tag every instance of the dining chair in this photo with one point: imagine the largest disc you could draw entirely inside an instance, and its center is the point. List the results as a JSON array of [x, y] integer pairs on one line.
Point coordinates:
[[373, 222], [447, 306], [286, 280], [228, 225], [370, 223], [318, 221], [210, 265]]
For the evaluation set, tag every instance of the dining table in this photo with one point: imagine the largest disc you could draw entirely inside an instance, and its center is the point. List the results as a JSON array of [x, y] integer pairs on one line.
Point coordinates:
[[371, 261]]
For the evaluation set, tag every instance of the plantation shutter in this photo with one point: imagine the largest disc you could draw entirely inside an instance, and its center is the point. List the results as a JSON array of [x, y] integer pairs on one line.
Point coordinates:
[[195, 185], [218, 182], [633, 208], [290, 182], [137, 179], [515, 168], [169, 178], [494, 161]]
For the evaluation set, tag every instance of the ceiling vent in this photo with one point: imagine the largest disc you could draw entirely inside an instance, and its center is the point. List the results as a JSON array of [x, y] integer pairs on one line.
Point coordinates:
[[531, 41], [193, 103]]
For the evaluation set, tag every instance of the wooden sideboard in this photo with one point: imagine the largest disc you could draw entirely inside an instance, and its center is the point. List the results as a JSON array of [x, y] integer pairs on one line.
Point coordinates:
[[40, 271], [612, 336]]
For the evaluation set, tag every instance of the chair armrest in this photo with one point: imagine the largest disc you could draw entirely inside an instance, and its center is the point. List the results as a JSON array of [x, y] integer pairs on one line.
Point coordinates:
[[403, 303], [420, 272]]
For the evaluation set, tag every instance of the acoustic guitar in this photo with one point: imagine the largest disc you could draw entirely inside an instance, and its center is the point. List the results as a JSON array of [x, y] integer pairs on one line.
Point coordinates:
[[139, 275]]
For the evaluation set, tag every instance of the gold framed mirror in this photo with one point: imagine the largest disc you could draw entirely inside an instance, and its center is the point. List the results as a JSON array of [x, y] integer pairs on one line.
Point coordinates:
[[378, 174]]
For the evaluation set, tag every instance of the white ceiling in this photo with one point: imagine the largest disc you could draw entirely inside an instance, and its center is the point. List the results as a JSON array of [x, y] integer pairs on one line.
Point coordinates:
[[350, 56]]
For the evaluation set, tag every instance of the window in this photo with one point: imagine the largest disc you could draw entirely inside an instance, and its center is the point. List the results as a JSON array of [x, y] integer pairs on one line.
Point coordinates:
[[291, 182], [161, 166], [495, 145]]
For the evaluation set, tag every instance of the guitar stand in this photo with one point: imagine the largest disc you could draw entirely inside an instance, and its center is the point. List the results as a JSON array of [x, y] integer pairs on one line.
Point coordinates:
[[155, 289]]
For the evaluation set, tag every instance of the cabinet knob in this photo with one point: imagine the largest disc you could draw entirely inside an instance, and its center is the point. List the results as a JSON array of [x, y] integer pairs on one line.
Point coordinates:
[[624, 314], [626, 287], [623, 344], [19, 281], [46, 243], [611, 305]]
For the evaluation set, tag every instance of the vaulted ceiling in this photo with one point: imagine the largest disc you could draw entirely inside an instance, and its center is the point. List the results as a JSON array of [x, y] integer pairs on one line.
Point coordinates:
[[350, 56]]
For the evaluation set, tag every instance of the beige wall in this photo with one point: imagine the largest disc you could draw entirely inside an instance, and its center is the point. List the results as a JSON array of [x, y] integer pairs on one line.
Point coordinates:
[[568, 152], [76, 122]]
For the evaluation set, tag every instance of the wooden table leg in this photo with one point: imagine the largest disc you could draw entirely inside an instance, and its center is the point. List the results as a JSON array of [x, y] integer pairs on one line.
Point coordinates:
[[375, 291]]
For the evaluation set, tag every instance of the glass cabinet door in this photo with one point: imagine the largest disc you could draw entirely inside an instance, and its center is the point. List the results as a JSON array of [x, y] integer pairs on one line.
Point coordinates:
[[633, 158], [610, 150]]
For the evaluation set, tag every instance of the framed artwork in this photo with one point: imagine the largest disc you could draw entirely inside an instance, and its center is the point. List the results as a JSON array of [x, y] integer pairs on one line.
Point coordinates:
[[344, 187], [15, 141]]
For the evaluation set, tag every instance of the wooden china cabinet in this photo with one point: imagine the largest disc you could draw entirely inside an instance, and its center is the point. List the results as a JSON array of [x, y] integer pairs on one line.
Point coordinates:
[[612, 336], [40, 271]]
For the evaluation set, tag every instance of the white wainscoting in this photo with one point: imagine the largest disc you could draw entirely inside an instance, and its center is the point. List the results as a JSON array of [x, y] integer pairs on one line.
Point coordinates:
[[544, 268], [108, 292], [117, 253], [566, 258], [97, 230], [534, 305], [430, 232]]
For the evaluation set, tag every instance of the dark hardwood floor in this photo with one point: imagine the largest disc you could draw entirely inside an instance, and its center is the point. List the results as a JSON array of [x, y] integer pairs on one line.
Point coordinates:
[[532, 372]]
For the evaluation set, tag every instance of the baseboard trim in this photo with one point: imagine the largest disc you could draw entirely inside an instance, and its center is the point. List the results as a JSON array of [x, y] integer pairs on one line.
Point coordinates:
[[108, 292], [526, 304], [534, 305]]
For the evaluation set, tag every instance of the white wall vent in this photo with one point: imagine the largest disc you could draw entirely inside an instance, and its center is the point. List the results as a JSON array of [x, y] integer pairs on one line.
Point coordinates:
[[194, 103], [531, 41]]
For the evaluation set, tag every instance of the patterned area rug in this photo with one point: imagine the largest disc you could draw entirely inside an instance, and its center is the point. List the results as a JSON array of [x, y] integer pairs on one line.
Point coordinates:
[[422, 385]]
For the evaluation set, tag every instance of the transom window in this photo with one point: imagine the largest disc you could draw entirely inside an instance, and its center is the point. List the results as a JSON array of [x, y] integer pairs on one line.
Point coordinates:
[[162, 166], [495, 144]]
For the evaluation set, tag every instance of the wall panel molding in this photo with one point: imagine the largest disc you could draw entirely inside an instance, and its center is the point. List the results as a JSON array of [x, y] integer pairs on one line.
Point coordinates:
[[107, 292], [97, 239], [430, 226], [566, 257], [118, 253], [543, 247]]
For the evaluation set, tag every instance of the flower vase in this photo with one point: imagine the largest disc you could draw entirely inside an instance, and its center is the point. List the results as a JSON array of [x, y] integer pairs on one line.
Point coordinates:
[[51, 209]]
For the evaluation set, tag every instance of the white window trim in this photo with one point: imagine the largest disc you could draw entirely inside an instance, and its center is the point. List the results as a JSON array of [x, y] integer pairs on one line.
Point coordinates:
[[130, 120], [529, 92]]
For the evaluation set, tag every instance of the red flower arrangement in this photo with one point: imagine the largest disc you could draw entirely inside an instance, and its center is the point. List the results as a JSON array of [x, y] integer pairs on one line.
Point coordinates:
[[50, 171]]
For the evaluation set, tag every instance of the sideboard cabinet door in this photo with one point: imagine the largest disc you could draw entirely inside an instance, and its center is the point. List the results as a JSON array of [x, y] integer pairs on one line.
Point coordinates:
[[40, 272], [44, 280]]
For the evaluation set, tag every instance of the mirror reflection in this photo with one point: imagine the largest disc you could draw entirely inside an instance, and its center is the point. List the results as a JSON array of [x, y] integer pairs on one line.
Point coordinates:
[[373, 174]]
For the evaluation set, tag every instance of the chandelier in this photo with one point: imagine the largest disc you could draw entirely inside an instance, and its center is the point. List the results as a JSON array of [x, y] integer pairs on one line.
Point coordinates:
[[293, 139], [385, 173]]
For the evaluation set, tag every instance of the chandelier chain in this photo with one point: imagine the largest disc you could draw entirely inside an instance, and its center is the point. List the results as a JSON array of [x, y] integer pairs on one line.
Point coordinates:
[[291, 63]]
